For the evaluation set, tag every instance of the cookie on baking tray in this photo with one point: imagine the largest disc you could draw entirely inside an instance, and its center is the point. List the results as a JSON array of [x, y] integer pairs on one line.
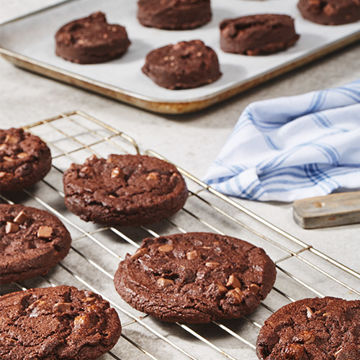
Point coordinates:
[[319, 329], [174, 14], [195, 277], [258, 34], [91, 40], [24, 159], [124, 190], [330, 12], [56, 323], [32, 242], [185, 65]]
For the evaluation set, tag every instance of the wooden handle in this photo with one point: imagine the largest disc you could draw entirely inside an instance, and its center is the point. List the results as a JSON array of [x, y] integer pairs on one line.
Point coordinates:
[[325, 211]]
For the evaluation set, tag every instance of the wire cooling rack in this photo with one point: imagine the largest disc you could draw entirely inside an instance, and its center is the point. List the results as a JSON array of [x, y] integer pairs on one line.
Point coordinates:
[[303, 271]]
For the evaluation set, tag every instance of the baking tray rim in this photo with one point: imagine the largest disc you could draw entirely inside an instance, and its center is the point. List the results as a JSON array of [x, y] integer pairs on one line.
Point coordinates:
[[154, 104]]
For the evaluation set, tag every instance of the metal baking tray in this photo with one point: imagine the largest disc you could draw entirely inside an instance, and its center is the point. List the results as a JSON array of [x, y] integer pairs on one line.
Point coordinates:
[[28, 42], [303, 270]]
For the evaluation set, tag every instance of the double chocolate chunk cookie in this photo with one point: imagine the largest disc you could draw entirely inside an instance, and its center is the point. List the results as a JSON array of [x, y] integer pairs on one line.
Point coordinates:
[[330, 12], [187, 64], [312, 329], [24, 160], [174, 14], [124, 190], [195, 277], [32, 242], [57, 323], [258, 34], [91, 40]]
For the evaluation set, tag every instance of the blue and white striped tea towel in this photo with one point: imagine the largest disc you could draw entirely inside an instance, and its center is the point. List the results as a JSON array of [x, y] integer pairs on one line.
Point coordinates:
[[293, 147]]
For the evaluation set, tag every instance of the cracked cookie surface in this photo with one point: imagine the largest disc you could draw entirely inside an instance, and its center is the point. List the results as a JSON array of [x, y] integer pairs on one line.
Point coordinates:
[[57, 323], [330, 12], [32, 242], [312, 329], [24, 159], [195, 277], [124, 190]]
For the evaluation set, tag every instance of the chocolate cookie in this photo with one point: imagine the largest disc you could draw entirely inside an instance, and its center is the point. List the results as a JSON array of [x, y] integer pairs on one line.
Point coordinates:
[[195, 277], [91, 40], [24, 160], [330, 12], [174, 14], [312, 329], [56, 323], [257, 34], [32, 242], [187, 64], [124, 190]]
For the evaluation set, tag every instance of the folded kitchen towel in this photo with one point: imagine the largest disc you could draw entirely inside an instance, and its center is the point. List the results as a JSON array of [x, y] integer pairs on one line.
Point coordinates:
[[293, 147]]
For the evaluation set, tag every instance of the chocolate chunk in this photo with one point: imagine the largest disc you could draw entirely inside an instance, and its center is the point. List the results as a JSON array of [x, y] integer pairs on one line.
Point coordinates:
[[191, 255], [165, 248], [116, 172], [164, 282], [233, 281], [175, 286], [45, 232], [22, 155], [11, 227], [212, 264], [20, 217]]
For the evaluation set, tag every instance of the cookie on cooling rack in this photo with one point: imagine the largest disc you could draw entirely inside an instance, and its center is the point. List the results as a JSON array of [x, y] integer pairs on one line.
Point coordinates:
[[195, 277], [330, 12], [258, 34], [124, 190], [24, 159], [174, 14], [32, 242], [320, 329], [91, 40], [185, 65], [56, 323]]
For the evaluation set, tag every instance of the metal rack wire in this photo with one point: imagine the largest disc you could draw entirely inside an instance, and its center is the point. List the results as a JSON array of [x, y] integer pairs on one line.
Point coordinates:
[[303, 270]]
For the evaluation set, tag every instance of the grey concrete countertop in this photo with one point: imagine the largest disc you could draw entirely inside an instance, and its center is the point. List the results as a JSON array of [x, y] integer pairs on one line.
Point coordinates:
[[191, 141]]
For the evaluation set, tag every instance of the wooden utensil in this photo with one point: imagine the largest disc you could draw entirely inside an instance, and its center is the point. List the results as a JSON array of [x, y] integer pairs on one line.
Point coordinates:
[[326, 211]]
